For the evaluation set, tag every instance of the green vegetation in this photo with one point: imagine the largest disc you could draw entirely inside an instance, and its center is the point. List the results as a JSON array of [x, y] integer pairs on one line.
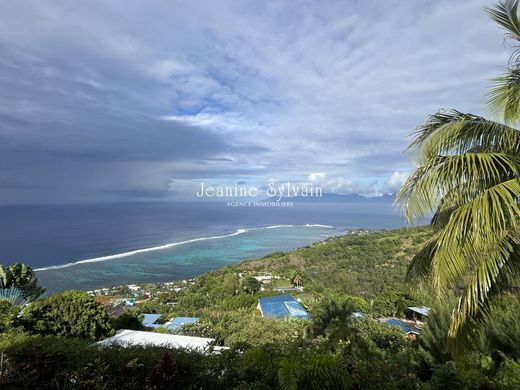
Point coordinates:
[[51, 344], [469, 176], [71, 314], [361, 265], [19, 284]]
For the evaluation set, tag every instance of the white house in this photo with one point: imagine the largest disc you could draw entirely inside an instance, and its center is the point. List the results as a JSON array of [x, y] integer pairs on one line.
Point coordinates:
[[127, 337]]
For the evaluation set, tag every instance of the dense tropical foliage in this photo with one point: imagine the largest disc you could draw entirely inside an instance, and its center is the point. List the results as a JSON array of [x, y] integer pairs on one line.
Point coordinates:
[[49, 344], [72, 314], [19, 284], [468, 176]]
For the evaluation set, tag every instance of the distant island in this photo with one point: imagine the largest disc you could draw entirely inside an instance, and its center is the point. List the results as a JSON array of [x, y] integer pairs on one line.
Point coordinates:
[[340, 198]]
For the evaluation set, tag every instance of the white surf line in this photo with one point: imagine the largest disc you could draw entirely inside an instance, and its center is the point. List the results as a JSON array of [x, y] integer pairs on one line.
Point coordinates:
[[161, 247], [277, 226], [137, 251], [318, 225]]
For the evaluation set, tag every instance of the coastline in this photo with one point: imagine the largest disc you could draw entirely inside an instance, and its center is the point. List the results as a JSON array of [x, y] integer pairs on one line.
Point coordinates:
[[170, 245], [182, 259], [188, 281]]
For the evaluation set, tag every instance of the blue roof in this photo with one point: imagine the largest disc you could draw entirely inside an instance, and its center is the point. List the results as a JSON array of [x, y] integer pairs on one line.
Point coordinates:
[[280, 306], [149, 320], [180, 321], [405, 328]]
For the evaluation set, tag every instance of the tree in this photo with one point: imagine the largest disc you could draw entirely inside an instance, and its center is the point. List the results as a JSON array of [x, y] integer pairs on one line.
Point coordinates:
[[126, 320], [431, 346], [71, 314], [20, 277], [244, 329], [332, 318], [8, 316], [508, 376], [468, 175], [316, 371], [446, 377], [297, 280], [163, 375], [251, 285], [12, 295]]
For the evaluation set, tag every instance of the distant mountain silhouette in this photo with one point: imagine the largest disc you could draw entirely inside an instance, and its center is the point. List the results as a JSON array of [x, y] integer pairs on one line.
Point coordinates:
[[338, 198]]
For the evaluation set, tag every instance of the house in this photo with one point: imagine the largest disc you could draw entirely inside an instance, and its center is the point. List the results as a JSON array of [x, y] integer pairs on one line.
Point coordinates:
[[117, 309], [417, 313], [411, 331], [150, 319], [281, 306], [125, 337], [263, 278], [177, 322], [289, 289]]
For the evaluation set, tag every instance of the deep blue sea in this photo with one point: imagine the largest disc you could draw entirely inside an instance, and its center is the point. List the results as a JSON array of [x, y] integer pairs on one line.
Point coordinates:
[[91, 246]]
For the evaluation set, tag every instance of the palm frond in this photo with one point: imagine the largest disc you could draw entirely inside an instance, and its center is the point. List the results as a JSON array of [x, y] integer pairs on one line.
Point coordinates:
[[504, 96], [468, 175], [425, 188], [474, 230], [494, 275], [453, 132], [421, 264], [459, 196], [505, 13], [12, 295]]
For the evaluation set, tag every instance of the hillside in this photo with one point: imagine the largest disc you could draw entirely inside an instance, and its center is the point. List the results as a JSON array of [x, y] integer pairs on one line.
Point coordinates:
[[359, 263], [367, 268]]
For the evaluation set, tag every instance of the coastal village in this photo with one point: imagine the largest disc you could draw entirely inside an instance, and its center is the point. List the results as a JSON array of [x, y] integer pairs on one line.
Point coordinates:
[[283, 299]]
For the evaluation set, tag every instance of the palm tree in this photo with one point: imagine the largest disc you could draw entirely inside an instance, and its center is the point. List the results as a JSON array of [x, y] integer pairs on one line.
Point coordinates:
[[333, 319], [297, 280], [468, 176], [22, 278], [12, 295]]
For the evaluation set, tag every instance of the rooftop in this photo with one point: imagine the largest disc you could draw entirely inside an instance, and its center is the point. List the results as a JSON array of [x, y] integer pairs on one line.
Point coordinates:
[[149, 320], [177, 322], [405, 328], [280, 306], [127, 337], [423, 310]]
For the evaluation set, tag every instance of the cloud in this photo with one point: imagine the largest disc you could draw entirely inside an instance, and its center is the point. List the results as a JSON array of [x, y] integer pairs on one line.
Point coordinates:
[[317, 177], [95, 98], [393, 183], [340, 185]]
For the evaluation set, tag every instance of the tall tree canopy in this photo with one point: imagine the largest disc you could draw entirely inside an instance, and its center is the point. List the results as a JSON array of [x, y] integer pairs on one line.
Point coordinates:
[[468, 176]]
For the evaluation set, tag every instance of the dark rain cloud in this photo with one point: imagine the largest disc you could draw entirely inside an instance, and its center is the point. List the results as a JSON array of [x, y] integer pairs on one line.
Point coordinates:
[[103, 101]]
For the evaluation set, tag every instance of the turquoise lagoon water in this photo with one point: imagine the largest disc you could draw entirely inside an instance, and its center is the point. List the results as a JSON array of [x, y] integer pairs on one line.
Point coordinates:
[[92, 246], [180, 260]]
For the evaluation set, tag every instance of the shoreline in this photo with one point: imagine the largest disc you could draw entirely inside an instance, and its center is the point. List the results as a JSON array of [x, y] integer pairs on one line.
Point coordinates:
[[170, 245], [101, 291]]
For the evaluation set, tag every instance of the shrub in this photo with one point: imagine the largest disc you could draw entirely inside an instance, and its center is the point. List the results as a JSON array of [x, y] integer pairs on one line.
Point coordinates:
[[70, 314], [446, 377], [126, 320]]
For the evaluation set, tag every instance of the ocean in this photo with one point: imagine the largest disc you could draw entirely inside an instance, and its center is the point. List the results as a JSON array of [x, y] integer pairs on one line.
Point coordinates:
[[100, 245]]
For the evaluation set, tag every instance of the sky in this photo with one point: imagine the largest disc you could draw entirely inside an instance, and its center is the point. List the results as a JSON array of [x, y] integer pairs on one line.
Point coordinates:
[[106, 101]]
